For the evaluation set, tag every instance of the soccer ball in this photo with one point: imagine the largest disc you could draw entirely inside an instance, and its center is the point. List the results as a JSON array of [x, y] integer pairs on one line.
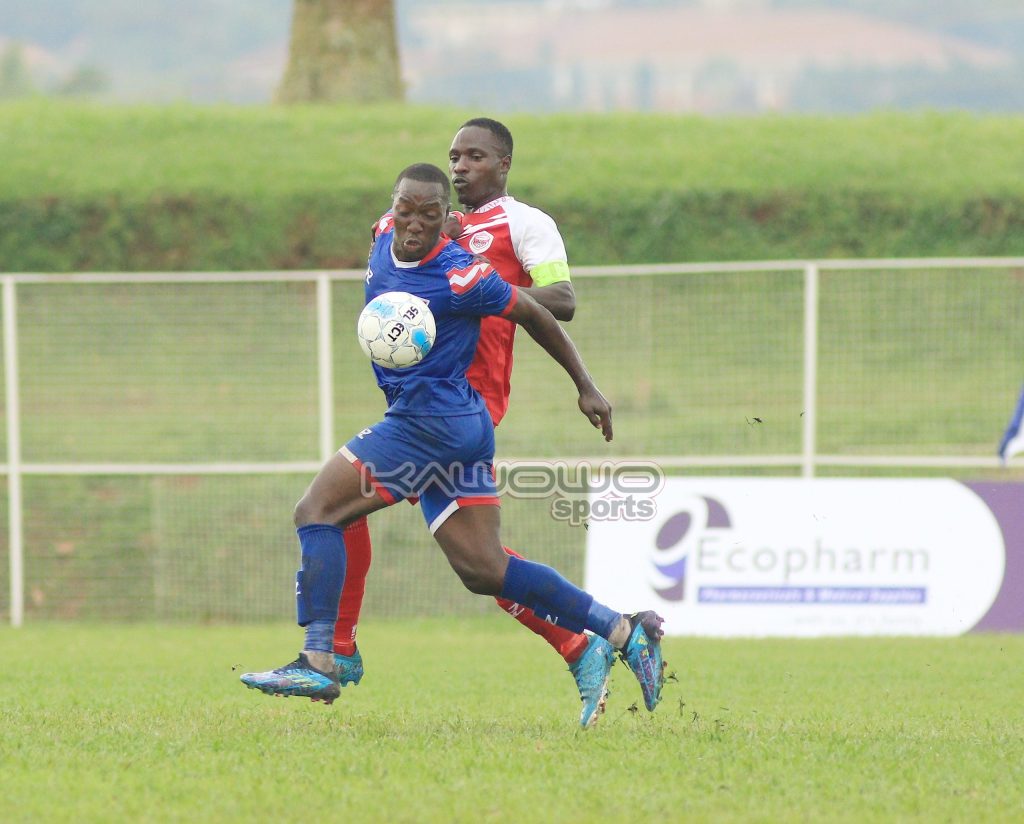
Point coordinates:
[[396, 329]]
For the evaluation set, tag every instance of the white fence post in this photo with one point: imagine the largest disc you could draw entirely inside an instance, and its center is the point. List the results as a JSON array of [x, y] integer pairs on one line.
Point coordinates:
[[325, 365], [810, 369], [13, 410]]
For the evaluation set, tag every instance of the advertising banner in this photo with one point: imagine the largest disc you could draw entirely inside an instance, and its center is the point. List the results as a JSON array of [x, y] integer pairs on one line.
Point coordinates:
[[817, 557]]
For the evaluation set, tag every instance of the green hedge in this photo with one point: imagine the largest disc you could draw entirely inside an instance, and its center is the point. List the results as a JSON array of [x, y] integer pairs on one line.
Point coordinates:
[[209, 232], [184, 232], [182, 187]]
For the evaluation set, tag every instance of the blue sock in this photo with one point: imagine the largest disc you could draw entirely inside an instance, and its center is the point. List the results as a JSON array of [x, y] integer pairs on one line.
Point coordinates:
[[547, 593], [602, 620], [318, 583], [319, 636]]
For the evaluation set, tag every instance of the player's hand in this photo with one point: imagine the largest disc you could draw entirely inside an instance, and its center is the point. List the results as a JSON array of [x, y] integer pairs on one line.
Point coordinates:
[[597, 409], [453, 224]]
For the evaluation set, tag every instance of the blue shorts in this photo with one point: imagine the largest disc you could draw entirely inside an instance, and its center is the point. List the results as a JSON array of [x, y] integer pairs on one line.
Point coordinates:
[[446, 462]]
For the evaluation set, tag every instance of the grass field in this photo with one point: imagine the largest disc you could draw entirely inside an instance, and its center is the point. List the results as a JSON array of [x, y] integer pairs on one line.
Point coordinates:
[[61, 148], [142, 188], [469, 718], [149, 723]]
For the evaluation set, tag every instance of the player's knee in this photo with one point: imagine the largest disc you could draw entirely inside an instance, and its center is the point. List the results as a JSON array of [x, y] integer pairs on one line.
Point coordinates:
[[480, 583], [478, 577], [307, 512]]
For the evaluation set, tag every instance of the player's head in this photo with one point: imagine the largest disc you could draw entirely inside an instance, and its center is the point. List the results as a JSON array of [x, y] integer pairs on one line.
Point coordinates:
[[419, 206], [479, 160]]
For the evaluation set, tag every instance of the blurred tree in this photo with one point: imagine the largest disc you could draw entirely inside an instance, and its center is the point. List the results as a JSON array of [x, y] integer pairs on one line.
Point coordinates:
[[15, 78], [85, 81], [342, 50]]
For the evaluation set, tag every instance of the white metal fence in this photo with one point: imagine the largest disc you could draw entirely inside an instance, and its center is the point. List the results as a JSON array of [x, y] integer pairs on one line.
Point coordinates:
[[974, 298]]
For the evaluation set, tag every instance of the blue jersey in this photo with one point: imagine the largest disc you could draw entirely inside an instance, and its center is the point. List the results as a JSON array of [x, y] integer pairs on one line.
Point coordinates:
[[459, 289]]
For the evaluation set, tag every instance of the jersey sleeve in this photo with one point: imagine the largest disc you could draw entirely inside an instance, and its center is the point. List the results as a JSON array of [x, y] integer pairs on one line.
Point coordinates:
[[540, 248], [383, 225], [479, 290]]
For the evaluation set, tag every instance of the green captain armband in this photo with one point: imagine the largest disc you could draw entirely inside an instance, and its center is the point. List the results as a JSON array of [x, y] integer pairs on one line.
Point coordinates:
[[547, 273]]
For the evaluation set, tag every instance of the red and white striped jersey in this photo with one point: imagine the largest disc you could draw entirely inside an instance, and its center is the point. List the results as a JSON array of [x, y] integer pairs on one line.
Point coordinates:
[[523, 244]]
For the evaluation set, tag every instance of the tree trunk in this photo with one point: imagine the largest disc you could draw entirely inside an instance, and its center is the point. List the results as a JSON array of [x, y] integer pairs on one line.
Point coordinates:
[[342, 50]]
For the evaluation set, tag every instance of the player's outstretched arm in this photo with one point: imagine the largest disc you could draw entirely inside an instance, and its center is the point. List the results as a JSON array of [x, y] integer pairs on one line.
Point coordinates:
[[558, 298], [543, 328]]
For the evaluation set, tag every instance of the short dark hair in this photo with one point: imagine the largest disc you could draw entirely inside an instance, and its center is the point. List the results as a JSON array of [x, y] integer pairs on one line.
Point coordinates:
[[499, 130], [426, 173]]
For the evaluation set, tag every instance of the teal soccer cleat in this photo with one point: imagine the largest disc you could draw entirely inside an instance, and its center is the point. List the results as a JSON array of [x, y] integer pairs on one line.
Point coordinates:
[[591, 673], [349, 668], [297, 678], [642, 654]]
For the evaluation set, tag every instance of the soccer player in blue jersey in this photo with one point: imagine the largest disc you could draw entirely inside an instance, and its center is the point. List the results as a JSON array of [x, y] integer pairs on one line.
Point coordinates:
[[436, 442], [524, 246]]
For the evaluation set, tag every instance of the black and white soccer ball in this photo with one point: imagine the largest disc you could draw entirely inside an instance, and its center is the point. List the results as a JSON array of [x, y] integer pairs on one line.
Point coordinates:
[[396, 329]]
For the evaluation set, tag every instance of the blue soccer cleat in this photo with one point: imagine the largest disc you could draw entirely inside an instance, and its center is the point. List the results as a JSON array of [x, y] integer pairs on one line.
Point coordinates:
[[591, 673], [297, 678], [349, 668], [642, 654]]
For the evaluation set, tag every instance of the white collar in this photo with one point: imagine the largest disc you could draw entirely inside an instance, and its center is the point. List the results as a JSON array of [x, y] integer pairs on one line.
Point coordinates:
[[491, 204], [403, 264]]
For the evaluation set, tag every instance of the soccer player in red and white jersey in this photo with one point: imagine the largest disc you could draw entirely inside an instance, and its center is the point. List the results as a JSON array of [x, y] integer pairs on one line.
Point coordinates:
[[523, 244]]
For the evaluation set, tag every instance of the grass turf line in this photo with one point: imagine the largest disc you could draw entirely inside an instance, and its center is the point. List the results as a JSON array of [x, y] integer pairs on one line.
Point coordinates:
[[475, 719]]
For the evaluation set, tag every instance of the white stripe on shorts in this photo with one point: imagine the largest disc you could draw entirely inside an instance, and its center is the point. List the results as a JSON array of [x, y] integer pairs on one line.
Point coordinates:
[[446, 513]]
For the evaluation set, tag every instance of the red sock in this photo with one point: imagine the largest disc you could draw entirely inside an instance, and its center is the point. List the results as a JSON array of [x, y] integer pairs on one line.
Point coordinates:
[[357, 564], [570, 645]]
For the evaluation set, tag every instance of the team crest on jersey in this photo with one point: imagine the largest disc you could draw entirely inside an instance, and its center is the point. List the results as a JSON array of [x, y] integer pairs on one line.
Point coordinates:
[[480, 242]]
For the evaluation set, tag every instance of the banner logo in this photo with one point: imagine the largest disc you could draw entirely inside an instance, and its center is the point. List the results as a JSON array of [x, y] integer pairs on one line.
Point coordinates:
[[671, 547], [733, 557]]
